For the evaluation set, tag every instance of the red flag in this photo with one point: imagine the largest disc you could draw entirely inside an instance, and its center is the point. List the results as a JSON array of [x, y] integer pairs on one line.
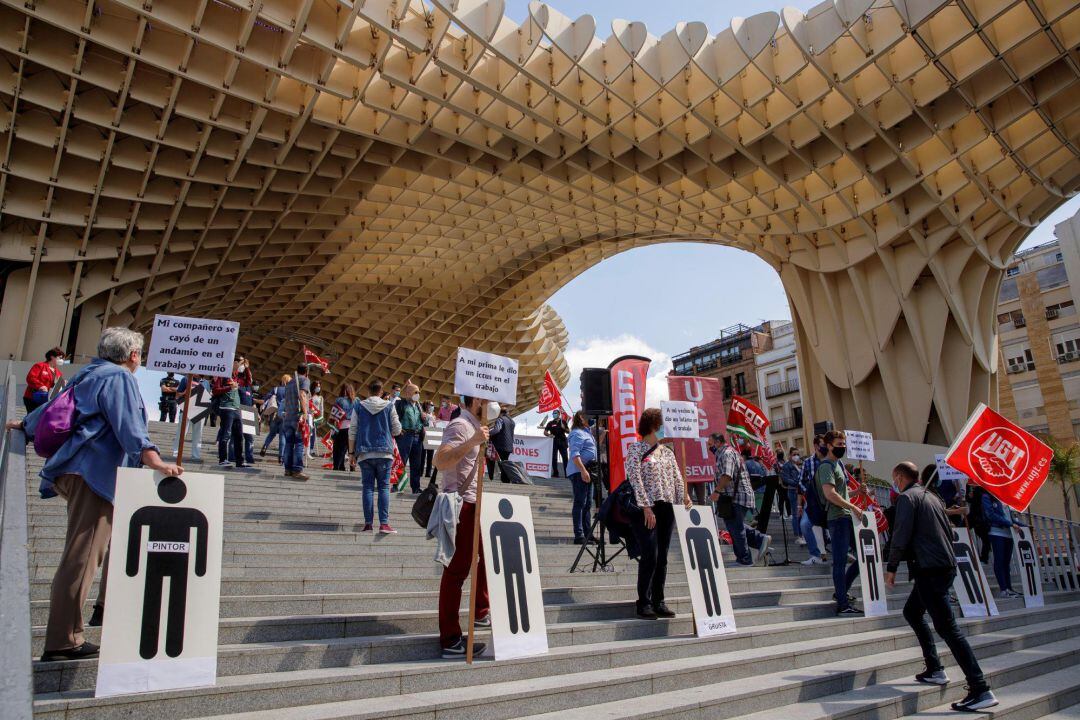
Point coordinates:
[[550, 397], [709, 396], [312, 359], [627, 402], [747, 421], [861, 498], [1006, 460]]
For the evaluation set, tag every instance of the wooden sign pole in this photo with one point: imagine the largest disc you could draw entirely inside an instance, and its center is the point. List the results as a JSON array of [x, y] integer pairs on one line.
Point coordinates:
[[183, 421], [481, 462]]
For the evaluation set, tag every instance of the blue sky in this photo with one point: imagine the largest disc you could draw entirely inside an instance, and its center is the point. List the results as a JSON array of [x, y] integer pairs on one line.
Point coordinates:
[[714, 281]]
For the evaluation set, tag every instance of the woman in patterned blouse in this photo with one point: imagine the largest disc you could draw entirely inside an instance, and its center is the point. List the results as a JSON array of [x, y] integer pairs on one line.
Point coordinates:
[[653, 473]]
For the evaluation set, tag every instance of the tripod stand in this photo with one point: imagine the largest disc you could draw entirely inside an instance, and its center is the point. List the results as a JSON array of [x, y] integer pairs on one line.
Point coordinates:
[[602, 562], [772, 487]]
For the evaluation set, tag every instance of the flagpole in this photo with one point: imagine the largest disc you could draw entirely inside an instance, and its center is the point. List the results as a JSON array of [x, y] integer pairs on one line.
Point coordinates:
[[480, 463]]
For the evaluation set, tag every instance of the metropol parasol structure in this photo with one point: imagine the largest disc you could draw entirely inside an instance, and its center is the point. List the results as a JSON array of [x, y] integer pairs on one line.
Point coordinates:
[[385, 180]]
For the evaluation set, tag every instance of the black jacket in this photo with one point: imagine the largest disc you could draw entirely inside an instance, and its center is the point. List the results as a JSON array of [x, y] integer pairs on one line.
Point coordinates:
[[502, 435], [921, 533]]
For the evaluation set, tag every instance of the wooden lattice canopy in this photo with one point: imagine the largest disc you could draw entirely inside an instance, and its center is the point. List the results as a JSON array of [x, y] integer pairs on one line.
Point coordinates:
[[386, 180]]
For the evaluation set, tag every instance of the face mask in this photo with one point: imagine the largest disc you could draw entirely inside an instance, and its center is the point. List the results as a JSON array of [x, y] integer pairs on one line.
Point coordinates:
[[397, 393], [795, 458], [255, 388], [493, 411], [416, 397], [838, 452], [443, 403], [660, 434]]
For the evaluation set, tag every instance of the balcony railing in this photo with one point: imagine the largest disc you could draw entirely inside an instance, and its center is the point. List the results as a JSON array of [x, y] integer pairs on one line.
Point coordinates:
[[785, 423], [1020, 322], [783, 388], [1051, 313], [1068, 357]]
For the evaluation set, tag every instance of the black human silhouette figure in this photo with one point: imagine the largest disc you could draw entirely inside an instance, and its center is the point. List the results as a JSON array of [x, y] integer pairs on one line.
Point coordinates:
[[1027, 560], [168, 547], [701, 546], [868, 546], [965, 566], [512, 558]]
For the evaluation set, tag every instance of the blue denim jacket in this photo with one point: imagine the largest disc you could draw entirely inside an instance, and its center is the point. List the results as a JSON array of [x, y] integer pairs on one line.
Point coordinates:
[[582, 445], [373, 432], [110, 430]]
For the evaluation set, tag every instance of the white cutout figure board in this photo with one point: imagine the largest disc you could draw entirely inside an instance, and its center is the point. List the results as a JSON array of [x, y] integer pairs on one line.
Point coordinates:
[[867, 551], [1027, 560], [518, 625], [705, 575], [161, 617], [972, 590]]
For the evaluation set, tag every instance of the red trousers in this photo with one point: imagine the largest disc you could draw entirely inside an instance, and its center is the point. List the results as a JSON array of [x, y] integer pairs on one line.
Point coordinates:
[[454, 577]]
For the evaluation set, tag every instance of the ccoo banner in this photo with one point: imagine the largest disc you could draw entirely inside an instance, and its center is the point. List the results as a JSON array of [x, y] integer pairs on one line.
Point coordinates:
[[161, 621], [707, 394], [709, 595], [871, 571], [518, 625], [627, 402], [534, 452], [1027, 558], [970, 586]]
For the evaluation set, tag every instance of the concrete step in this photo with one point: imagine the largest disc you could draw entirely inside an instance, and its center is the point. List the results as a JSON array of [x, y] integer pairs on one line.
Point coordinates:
[[770, 647], [1007, 657], [1045, 696]]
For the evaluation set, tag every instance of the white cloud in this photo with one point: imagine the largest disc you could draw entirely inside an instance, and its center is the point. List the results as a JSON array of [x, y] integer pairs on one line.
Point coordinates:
[[600, 352]]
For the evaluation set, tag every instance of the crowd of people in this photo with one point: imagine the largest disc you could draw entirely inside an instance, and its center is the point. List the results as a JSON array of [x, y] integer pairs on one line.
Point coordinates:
[[815, 493]]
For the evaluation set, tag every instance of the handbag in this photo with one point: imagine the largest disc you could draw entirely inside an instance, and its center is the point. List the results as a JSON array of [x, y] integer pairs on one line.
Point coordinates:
[[424, 504], [57, 421]]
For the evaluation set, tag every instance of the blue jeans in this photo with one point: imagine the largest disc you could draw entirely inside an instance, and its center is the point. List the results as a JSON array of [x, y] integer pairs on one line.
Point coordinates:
[[742, 536], [412, 454], [1002, 548], [579, 514], [842, 576], [806, 529], [293, 447], [275, 430], [372, 471], [230, 433], [793, 503]]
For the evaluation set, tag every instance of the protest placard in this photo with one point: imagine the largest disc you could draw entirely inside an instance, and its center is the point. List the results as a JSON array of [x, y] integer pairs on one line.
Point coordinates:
[[860, 445], [705, 574], [680, 419], [192, 345], [948, 472], [486, 376]]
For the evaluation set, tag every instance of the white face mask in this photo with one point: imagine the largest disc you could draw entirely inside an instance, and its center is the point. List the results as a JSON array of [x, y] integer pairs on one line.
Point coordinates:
[[416, 397], [493, 411]]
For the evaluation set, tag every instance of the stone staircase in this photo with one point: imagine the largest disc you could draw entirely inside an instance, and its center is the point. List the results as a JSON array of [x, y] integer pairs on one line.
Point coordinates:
[[320, 621]]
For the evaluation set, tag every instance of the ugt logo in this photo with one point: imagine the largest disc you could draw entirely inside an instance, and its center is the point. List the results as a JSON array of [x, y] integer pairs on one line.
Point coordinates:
[[1001, 453]]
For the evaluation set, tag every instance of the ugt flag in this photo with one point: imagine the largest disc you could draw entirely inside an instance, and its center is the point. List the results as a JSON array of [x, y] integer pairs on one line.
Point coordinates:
[[747, 420], [550, 397], [1006, 460], [312, 359]]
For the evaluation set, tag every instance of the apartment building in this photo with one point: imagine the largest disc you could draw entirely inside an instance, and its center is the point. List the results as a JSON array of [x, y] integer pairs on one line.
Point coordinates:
[[777, 372]]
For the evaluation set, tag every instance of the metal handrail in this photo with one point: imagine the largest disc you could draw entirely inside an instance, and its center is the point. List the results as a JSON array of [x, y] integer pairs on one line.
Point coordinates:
[[1058, 543], [16, 669]]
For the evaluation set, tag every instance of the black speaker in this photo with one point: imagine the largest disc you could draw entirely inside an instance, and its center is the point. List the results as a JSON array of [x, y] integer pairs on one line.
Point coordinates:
[[596, 391], [820, 428]]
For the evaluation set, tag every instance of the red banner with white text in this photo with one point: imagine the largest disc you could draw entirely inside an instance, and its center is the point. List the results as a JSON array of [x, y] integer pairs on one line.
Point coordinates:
[[628, 375], [1006, 460], [709, 396]]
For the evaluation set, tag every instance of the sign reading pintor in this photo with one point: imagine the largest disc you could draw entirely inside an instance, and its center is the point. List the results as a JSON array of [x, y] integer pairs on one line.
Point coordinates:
[[860, 445], [486, 376], [161, 620], [192, 345], [680, 419], [705, 575]]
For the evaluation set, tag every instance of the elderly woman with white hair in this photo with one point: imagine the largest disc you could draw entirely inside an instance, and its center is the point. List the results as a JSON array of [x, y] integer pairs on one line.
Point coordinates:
[[109, 432]]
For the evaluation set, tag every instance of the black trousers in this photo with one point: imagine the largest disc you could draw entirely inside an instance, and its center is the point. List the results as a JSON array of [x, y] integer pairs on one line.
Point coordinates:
[[558, 450], [503, 455], [931, 595], [654, 544], [341, 448]]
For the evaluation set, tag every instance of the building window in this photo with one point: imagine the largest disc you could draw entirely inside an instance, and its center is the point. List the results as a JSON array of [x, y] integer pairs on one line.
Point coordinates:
[[796, 415], [740, 383], [727, 386], [1052, 276], [1009, 291], [1013, 271], [1062, 309], [1058, 257]]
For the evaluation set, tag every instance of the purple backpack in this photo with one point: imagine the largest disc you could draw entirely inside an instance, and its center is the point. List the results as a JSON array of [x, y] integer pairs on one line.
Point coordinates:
[[56, 423]]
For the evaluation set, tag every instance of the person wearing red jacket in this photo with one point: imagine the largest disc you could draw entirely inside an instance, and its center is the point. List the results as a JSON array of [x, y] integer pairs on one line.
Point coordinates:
[[41, 379]]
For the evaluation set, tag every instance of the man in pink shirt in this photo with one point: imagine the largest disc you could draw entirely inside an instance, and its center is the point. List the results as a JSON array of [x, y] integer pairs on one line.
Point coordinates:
[[456, 459], [446, 410]]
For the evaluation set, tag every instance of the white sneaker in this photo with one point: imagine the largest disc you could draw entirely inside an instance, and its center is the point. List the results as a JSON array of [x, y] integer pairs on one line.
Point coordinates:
[[800, 541], [765, 540], [813, 561]]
